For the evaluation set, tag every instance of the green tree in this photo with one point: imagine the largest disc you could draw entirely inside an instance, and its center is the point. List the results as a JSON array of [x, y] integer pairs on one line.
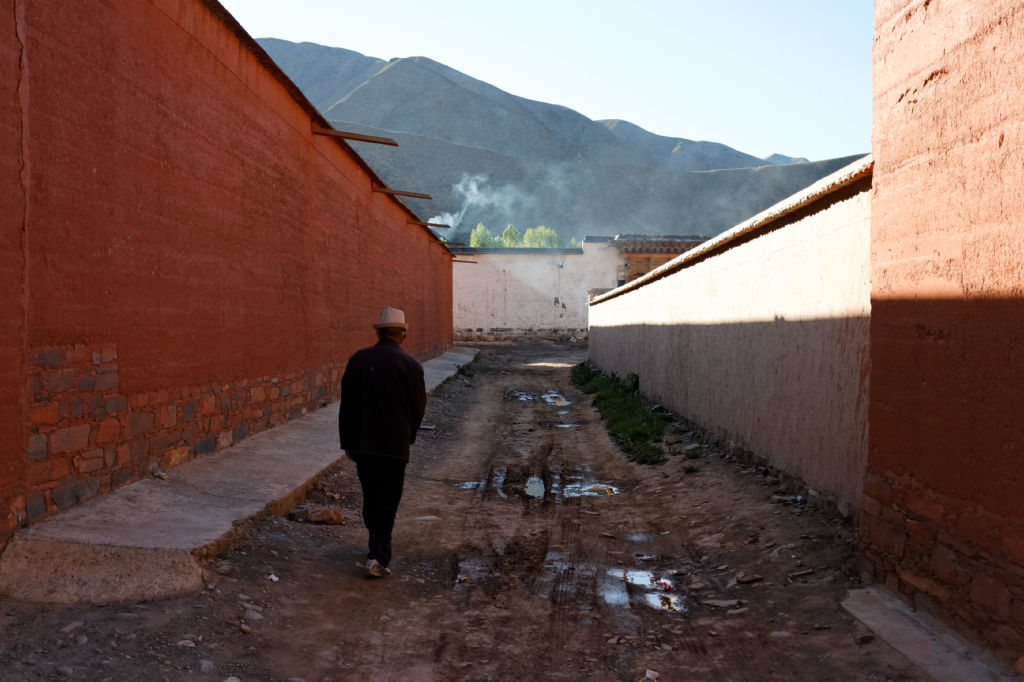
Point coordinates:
[[575, 243], [511, 238], [542, 237], [481, 237]]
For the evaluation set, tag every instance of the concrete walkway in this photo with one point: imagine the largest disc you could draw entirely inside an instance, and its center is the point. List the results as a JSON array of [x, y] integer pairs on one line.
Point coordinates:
[[147, 539], [927, 643]]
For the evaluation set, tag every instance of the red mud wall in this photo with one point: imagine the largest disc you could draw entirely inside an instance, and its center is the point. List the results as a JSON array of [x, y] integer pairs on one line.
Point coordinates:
[[12, 309], [942, 520], [197, 266]]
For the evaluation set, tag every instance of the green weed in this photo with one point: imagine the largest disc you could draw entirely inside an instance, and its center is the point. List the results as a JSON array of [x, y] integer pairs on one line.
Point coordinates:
[[627, 415]]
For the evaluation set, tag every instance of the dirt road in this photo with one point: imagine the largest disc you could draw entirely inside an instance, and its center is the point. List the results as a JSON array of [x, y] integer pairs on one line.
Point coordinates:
[[527, 548]]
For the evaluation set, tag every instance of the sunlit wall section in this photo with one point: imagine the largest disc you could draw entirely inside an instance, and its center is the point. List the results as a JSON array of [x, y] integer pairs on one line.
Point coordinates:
[[762, 334]]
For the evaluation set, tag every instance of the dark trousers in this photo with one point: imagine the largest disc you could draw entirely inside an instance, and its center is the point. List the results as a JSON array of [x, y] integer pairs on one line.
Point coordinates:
[[382, 479]]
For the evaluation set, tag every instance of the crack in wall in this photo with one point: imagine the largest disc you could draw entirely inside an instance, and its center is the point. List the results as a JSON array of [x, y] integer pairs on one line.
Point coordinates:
[[21, 93]]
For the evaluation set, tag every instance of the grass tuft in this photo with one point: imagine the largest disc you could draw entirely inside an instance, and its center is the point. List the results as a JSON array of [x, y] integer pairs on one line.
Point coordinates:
[[628, 416]]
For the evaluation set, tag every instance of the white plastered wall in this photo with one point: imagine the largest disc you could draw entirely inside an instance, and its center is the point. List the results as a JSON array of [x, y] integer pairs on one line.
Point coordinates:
[[764, 341], [530, 291]]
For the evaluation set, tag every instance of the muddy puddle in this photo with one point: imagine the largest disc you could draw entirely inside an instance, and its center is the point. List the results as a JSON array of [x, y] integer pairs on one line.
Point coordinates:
[[617, 587], [550, 397], [556, 399], [656, 591], [471, 570], [536, 487]]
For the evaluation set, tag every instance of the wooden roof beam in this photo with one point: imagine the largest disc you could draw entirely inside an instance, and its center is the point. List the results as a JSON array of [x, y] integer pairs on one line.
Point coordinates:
[[417, 222], [345, 135], [400, 192]]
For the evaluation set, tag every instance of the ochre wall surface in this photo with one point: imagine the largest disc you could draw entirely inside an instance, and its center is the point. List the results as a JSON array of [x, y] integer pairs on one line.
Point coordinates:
[[185, 263], [523, 292], [942, 521], [764, 340], [12, 269]]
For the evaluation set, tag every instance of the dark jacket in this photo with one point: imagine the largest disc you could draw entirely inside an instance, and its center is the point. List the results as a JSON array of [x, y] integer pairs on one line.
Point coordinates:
[[382, 402]]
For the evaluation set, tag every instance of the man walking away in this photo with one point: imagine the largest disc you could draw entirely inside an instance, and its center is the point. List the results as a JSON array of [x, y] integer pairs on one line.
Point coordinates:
[[382, 403]]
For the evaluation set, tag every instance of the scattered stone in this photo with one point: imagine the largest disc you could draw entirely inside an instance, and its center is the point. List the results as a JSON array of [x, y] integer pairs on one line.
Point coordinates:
[[744, 579], [225, 568], [251, 607], [713, 633], [244, 597], [187, 643], [606, 534], [232, 679], [780, 634], [613, 640], [651, 675], [65, 672], [317, 513], [722, 603], [737, 612], [697, 586], [666, 647], [244, 627], [1019, 666], [866, 638], [801, 574], [272, 578], [206, 667], [251, 615], [71, 626], [81, 640]]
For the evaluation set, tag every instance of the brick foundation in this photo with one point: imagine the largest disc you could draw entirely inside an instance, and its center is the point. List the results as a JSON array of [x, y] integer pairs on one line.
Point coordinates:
[[85, 436], [958, 562]]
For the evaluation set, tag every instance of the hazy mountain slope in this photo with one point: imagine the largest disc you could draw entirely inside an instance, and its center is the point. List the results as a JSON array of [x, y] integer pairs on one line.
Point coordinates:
[[420, 96], [475, 185], [783, 159], [324, 74], [675, 153], [489, 156]]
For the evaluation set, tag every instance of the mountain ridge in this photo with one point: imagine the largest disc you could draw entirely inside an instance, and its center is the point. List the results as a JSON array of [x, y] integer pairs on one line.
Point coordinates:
[[489, 156]]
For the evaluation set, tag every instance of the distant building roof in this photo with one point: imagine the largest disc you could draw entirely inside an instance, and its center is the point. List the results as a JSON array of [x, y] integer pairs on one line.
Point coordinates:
[[518, 251], [662, 237], [858, 170], [647, 238]]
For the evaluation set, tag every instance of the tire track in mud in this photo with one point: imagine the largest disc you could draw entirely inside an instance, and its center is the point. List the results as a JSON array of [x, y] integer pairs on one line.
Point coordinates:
[[533, 575]]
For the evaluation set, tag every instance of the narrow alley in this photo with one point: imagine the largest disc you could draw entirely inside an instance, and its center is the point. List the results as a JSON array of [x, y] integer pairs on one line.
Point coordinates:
[[527, 547]]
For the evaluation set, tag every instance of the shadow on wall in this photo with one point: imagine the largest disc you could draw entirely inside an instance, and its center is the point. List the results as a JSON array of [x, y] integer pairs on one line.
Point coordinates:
[[927, 421], [792, 392], [942, 523]]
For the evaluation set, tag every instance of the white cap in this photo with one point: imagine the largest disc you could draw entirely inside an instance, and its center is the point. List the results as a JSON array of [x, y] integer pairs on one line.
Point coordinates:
[[391, 317]]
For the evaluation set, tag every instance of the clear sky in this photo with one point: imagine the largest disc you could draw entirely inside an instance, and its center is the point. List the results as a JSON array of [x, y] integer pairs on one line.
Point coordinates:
[[763, 76]]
